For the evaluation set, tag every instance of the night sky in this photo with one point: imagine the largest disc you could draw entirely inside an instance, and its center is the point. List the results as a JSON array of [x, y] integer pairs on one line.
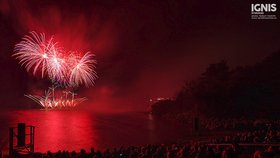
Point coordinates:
[[145, 49]]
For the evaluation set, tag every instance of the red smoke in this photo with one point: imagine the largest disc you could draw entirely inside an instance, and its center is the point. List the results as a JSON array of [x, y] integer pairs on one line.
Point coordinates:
[[74, 30], [144, 49]]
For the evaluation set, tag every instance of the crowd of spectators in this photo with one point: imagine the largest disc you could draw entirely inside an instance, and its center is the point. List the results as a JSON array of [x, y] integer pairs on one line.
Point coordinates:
[[230, 124], [257, 136], [263, 143], [238, 124], [189, 150]]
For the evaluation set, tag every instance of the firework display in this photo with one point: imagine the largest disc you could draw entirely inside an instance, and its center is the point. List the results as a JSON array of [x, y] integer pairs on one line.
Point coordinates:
[[67, 69]]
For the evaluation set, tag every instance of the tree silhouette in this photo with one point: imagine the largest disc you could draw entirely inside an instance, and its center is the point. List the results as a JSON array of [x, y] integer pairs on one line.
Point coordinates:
[[220, 91]]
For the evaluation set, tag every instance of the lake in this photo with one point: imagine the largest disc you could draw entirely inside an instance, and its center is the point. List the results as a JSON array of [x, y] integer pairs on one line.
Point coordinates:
[[73, 130]]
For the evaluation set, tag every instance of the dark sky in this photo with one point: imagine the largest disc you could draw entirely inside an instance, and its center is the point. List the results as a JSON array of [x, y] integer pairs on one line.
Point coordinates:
[[145, 49]]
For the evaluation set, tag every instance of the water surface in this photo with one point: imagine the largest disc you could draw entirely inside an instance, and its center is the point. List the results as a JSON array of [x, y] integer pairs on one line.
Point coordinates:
[[73, 130]]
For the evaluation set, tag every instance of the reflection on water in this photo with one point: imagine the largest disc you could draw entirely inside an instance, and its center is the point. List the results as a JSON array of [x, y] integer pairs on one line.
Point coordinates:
[[73, 130]]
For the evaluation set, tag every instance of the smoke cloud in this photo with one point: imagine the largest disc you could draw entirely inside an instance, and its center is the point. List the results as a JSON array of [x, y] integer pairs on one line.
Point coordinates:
[[144, 49]]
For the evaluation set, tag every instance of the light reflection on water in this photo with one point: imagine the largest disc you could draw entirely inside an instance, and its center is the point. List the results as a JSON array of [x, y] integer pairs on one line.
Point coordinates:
[[73, 130]]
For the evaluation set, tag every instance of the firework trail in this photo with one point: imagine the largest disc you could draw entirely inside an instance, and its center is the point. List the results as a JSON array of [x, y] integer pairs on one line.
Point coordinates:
[[37, 54], [34, 51], [48, 103], [57, 67], [82, 71]]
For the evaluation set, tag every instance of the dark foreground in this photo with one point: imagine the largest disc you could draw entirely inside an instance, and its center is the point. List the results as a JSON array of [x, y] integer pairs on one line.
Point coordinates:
[[215, 138], [195, 150]]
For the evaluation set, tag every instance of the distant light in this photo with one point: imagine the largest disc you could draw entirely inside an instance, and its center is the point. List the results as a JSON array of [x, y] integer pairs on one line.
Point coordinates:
[[158, 99]]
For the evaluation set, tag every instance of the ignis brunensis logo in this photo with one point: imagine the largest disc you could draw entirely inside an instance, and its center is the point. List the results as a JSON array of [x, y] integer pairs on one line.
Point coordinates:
[[263, 11]]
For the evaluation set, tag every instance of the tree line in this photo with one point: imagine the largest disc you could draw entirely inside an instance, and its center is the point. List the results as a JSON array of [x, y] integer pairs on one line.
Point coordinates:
[[222, 91]]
